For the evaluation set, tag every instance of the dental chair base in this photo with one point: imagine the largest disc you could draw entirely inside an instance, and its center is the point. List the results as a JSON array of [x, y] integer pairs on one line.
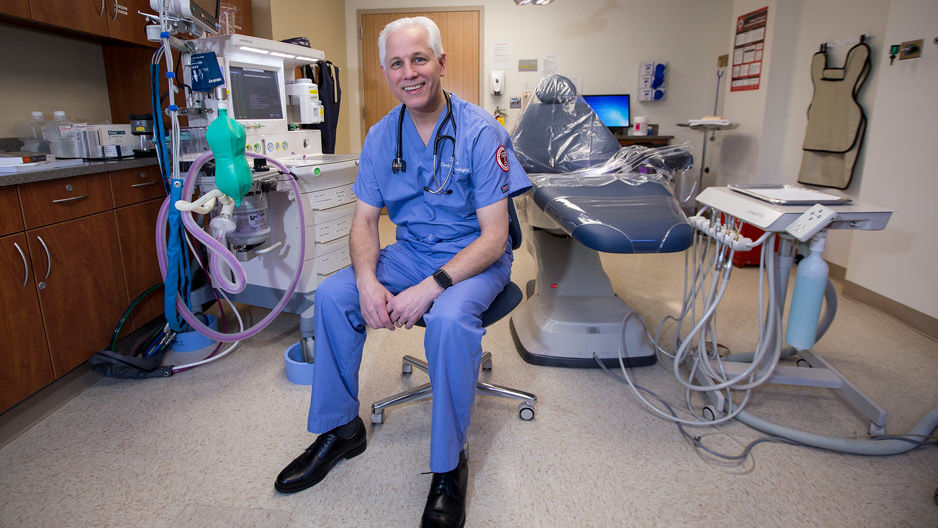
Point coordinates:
[[573, 315]]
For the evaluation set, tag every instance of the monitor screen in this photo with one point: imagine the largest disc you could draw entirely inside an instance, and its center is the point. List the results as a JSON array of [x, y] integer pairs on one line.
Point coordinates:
[[205, 11], [255, 93], [613, 110]]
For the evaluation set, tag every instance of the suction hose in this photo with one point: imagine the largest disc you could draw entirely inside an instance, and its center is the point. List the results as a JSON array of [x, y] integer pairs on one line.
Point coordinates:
[[893, 445], [219, 250]]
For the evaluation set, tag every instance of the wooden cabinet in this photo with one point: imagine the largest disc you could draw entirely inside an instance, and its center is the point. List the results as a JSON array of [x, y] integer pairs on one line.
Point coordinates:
[[86, 16], [124, 23], [17, 8], [136, 228], [25, 366], [130, 186], [11, 218], [117, 19], [57, 200], [70, 268], [82, 291]]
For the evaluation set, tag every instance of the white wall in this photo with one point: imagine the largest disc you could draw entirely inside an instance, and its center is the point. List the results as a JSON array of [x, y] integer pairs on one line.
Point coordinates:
[[600, 40], [899, 169], [766, 148], [825, 22]]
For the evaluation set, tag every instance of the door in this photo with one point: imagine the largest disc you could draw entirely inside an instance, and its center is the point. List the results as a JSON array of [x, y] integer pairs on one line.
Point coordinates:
[[81, 15], [461, 40], [17, 8], [25, 366], [82, 292], [124, 23], [136, 225]]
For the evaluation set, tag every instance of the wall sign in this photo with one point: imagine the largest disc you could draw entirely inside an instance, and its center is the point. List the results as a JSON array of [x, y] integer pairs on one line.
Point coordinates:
[[748, 50]]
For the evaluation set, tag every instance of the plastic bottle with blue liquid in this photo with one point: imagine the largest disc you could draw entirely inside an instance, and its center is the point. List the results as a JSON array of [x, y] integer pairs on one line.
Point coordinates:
[[806, 301]]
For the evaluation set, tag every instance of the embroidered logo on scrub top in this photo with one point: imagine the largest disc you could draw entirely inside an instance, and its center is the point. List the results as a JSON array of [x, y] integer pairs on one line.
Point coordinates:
[[501, 157]]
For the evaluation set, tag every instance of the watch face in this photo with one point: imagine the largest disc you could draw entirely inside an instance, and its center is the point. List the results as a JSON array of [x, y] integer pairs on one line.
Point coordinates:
[[442, 278]]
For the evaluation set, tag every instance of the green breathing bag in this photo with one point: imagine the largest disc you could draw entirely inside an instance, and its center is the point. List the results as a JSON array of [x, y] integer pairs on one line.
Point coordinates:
[[227, 139]]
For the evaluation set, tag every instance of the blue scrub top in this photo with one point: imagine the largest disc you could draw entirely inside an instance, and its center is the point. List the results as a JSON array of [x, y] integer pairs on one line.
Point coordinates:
[[486, 171]]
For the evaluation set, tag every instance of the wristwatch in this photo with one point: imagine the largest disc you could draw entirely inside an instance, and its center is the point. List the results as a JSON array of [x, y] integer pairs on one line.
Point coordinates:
[[442, 278]]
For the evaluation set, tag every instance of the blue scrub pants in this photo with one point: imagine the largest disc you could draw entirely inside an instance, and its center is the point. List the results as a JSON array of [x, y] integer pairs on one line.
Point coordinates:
[[452, 342]]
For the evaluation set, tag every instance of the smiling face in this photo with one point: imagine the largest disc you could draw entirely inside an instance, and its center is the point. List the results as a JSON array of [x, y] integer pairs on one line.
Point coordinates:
[[413, 72]]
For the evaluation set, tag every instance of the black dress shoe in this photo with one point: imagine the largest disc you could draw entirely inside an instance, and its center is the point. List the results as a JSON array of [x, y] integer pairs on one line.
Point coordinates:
[[314, 464], [446, 503]]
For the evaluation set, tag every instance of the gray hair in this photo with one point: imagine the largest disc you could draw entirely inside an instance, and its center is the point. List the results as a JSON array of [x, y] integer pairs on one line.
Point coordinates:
[[434, 40]]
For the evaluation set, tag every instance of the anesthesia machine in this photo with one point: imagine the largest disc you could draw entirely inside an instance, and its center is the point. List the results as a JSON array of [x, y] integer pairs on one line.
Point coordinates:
[[277, 212]]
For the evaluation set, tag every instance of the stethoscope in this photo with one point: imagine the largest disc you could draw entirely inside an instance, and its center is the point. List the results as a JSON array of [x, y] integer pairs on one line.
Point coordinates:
[[398, 163]]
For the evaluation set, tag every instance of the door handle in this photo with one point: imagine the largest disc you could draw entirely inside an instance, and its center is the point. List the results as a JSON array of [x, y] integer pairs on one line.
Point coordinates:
[[48, 256], [62, 200], [119, 9], [101, 12], [25, 264], [145, 184]]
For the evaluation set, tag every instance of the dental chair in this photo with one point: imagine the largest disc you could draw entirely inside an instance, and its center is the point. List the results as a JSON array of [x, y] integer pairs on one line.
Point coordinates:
[[502, 305], [588, 196]]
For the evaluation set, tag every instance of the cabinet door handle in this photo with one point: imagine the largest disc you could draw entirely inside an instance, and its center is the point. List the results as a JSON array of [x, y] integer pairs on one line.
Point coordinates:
[[119, 9], [25, 265], [48, 256], [62, 200], [145, 184], [101, 13]]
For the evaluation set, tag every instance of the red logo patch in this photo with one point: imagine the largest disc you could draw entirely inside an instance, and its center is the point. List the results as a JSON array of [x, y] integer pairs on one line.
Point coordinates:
[[501, 157]]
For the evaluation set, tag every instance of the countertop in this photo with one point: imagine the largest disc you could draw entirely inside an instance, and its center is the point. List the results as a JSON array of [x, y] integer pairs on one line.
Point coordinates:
[[88, 167]]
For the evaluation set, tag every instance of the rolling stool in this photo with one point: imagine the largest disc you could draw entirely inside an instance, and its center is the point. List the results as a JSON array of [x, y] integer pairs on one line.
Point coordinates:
[[502, 305]]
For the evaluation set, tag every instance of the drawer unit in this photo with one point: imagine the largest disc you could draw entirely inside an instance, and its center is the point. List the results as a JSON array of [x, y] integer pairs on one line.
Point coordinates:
[[130, 186], [330, 224], [54, 201], [327, 198]]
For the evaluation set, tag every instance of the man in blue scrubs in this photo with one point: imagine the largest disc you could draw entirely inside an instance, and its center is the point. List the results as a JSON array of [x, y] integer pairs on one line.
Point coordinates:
[[444, 169]]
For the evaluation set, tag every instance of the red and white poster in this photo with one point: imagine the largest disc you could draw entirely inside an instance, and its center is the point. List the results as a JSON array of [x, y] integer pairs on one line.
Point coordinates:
[[748, 50]]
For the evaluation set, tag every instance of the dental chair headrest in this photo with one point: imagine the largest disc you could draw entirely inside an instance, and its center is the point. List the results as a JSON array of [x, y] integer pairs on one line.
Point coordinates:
[[555, 89]]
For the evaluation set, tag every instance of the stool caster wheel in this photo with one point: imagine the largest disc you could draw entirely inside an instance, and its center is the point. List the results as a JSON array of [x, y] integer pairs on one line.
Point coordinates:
[[406, 368], [709, 413], [876, 430], [377, 417], [487, 364], [525, 411], [802, 362]]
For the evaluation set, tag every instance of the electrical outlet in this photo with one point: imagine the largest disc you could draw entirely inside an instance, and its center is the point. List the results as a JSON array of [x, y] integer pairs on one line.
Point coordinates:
[[911, 49], [723, 61]]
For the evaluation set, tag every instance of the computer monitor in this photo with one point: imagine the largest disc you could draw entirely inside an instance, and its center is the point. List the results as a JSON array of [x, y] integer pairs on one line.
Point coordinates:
[[204, 13], [255, 93], [613, 111]]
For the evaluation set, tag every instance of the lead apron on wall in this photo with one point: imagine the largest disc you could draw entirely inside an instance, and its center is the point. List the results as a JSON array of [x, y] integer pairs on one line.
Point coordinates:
[[836, 122]]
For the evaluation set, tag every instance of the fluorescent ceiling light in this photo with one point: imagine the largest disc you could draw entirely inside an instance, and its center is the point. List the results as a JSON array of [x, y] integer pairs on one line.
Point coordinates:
[[255, 50], [284, 55], [300, 57]]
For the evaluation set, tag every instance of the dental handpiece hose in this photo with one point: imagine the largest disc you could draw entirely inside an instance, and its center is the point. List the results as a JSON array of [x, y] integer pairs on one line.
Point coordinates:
[[810, 283]]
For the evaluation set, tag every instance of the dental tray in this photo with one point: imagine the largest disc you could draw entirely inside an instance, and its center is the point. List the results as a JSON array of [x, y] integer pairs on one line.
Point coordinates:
[[789, 194]]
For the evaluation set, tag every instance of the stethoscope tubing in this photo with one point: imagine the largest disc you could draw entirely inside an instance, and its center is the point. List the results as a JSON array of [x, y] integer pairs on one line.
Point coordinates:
[[398, 163]]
